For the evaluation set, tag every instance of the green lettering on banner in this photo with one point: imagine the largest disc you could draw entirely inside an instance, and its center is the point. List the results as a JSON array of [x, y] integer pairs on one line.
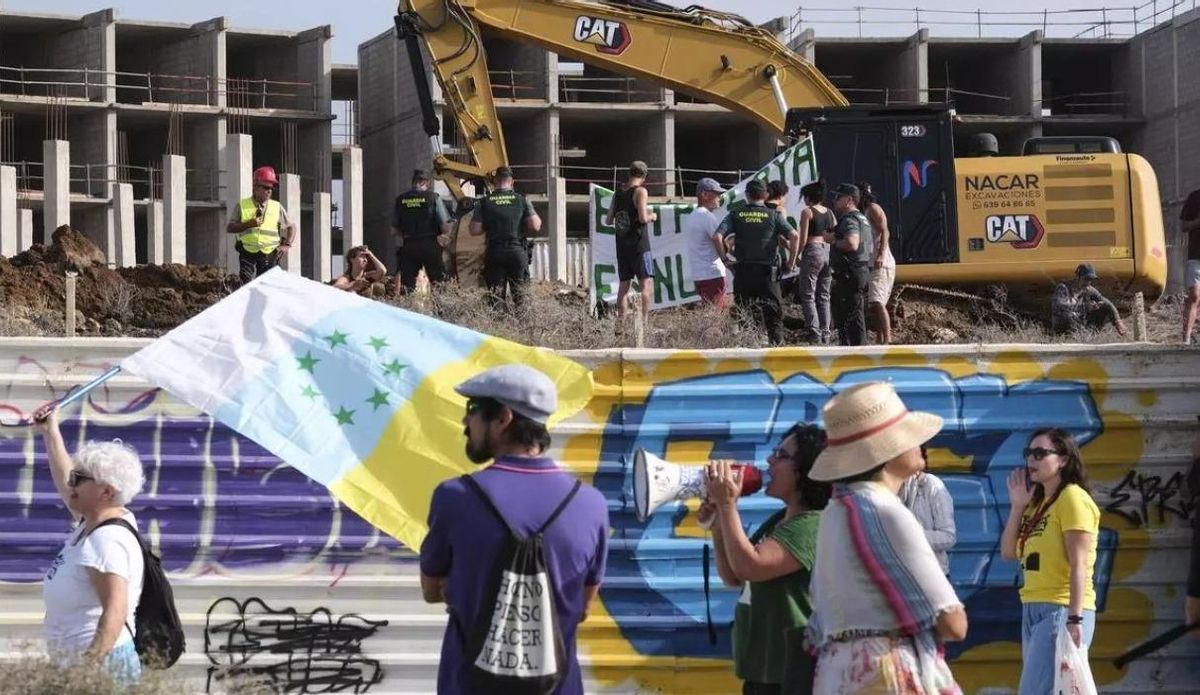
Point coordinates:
[[663, 279], [684, 281], [803, 154], [603, 201], [603, 289]]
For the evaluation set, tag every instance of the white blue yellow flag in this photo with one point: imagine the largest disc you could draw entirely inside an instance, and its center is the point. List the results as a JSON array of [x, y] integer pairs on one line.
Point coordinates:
[[356, 394]]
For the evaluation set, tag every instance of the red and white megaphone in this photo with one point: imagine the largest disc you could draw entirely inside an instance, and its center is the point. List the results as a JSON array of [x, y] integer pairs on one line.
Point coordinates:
[[656, 482]]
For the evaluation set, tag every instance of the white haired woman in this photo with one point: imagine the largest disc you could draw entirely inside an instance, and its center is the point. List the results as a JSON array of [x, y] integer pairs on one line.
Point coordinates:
[[92, 588], [882, 606]]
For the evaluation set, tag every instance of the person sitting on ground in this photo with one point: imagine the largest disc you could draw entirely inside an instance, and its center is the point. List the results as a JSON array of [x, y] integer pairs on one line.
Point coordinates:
[[357, 276], [773, 566], [93, 586], [1080, 304]]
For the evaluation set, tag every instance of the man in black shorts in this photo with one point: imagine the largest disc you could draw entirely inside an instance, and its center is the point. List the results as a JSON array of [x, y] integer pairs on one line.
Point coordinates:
[[629, 213]]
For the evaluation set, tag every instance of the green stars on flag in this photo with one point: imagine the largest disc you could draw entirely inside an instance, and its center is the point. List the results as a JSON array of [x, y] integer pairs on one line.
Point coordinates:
[[378, 343], [335, 339], [309, 392], [308, 362], [394, 368], [344, 417], [378, 399]]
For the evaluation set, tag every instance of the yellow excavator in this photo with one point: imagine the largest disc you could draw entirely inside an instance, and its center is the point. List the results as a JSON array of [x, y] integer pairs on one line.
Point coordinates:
[[1026, 220]]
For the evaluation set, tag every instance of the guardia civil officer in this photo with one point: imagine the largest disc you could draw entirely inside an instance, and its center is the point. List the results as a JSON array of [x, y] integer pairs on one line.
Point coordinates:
[[754, 232], [851, 251], [422, 227], [504, 216]]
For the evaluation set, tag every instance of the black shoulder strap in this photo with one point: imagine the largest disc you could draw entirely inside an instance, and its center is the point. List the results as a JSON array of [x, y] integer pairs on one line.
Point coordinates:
[[119, 522], [487, 500], [561, 506]]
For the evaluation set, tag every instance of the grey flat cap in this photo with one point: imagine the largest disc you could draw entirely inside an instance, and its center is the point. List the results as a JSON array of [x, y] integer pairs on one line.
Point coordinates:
[[524, 389]]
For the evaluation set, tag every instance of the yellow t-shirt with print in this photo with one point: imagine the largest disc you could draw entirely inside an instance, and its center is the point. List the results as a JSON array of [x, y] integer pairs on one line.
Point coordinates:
[[1044, 558]]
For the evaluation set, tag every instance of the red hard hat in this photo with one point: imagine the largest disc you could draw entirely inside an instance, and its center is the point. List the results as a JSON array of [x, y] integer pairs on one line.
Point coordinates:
[[266, 175]]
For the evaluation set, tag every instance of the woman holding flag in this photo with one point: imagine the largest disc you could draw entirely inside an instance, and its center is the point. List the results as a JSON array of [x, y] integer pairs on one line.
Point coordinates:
[[93, 586]]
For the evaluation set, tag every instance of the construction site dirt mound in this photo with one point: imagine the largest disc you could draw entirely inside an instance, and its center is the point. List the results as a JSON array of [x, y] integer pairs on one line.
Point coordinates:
[[148, 300], [140, 301]]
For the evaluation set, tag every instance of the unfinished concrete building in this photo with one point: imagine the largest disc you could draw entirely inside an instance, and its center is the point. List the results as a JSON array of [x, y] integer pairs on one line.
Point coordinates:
[[565, 119], [153, 128]]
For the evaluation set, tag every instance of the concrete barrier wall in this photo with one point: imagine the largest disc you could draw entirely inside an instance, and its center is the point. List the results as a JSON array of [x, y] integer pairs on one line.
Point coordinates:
[[246, 538]]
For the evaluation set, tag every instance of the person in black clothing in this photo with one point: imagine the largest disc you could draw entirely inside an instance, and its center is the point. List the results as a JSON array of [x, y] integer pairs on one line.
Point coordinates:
[[755, 232], [422, 224], [629, 213], [849, 260], [503, 216]]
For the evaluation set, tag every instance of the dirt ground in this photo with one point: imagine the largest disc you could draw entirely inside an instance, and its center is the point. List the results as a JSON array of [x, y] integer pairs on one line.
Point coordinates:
[[149, 300]]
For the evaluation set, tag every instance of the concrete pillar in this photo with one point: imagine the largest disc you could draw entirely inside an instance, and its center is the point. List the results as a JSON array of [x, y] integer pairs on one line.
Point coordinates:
[[235, 178], [174, 168], [552, 77], [668, 157], [322, 237], [155, 234], [553, 140], [805, 45], [211, 36], [10, 233], [352, 198], [124, 250], [289, 197], [913, 69], [56, 185], [557, 229], [1027, 77], [25, 224]]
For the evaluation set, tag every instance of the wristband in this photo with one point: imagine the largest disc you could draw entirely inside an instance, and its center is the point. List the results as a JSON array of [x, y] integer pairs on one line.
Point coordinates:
[[1074, 620]]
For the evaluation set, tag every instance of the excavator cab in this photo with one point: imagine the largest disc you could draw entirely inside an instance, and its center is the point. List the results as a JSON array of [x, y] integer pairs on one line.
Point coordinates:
[[907, 155]]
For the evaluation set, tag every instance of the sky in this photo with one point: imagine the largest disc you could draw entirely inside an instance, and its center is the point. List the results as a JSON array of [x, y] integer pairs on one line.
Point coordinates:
[[368, 18]]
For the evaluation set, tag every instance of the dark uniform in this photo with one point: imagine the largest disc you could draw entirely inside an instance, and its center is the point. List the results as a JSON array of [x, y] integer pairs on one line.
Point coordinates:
[[851, 278], [419, 216], [633, 240], [756, 230], [504, 214]]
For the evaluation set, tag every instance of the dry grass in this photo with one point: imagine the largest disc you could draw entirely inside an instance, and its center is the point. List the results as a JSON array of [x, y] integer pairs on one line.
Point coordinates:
[[35, 674], [37, 319], [559, 318]]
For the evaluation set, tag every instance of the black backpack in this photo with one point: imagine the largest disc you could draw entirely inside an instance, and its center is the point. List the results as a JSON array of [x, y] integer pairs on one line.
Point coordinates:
[[517, 647], [159, 636]]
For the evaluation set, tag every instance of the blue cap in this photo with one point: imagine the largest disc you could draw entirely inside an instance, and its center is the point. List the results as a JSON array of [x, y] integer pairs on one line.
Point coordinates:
[[526, 390]]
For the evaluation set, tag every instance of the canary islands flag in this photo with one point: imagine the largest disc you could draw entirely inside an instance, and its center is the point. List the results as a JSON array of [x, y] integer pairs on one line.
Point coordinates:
[[356, 394]]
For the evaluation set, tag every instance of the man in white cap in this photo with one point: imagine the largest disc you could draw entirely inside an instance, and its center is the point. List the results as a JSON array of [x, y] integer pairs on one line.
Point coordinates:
[[505, 422], [705, 248]]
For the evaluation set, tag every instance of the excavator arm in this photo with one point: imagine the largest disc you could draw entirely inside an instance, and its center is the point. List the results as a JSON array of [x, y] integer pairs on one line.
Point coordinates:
[[718, 57]]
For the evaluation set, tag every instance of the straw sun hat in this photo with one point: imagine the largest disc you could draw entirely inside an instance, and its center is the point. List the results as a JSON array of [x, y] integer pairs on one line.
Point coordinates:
[[868, 425]]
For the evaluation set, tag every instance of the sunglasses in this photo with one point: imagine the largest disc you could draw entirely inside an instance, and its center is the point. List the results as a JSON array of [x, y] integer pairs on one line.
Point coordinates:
[[264, 187], [473, 406], [1038, 453], [77, 478], [781, 453]]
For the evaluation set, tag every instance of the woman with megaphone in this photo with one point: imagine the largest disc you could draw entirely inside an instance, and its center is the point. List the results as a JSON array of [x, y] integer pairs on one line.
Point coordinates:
[[883, 607], [772, 567]]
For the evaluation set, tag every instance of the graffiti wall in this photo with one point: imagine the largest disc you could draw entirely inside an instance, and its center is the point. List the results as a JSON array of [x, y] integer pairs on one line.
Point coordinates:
[[274, 577]]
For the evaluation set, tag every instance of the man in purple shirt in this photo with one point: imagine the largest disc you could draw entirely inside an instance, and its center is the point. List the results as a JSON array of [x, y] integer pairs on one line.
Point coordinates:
[[507, 410]]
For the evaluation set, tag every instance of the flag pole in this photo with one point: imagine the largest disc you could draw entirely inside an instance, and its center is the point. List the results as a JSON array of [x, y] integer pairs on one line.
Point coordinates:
[[87, 388]]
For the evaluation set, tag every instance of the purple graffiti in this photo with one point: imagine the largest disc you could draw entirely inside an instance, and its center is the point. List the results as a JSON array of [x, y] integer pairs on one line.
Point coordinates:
[[212, 497]]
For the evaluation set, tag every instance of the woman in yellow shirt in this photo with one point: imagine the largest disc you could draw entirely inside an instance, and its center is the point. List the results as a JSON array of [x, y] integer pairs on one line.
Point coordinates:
[[1053, 526]]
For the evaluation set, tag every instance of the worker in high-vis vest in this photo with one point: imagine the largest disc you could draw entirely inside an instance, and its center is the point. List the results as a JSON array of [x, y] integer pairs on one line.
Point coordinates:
[[265, 232]]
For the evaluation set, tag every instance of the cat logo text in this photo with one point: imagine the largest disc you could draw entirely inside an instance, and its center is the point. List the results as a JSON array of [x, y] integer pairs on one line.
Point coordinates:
[[1022, 231], [607, 35]]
